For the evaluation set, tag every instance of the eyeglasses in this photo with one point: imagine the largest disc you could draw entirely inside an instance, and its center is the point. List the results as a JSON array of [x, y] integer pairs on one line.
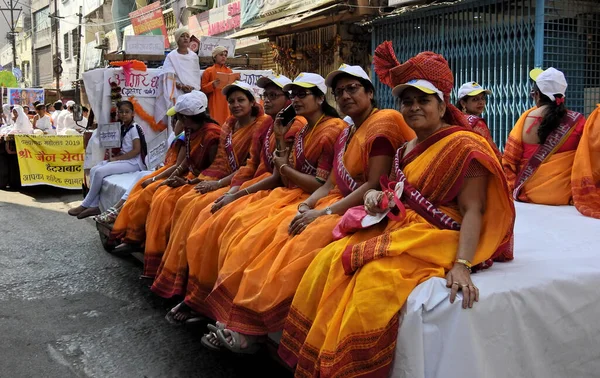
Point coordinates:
[[350, 89], [300, 95], [270, 96]]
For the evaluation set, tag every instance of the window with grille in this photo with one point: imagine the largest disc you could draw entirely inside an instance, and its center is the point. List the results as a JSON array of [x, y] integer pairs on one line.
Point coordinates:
[[76, 41], [66, 46]]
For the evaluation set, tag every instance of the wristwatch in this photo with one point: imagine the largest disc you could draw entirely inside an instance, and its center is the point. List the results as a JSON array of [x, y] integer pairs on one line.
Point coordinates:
[[328, 210]]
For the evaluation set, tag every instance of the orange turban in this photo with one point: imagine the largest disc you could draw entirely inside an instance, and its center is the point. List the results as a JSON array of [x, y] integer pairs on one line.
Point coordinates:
[[425, 66]]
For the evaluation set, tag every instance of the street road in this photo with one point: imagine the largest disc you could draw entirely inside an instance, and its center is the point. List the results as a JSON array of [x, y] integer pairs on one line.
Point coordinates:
[[69, 309]]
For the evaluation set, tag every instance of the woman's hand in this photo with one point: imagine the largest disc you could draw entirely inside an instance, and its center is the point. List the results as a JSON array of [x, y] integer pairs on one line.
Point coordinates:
[[280, 129], [176, 182], [207, 186], [372, 201], [280, 160], [302, 220], [459, 278], [222, 201], [147, 182]]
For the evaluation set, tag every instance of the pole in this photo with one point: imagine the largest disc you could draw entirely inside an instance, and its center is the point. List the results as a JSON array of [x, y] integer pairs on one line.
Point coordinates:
[[78, 84], [14, 37], [57, 58]]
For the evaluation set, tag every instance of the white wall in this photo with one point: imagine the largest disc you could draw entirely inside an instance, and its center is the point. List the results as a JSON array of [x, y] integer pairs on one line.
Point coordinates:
[[69, 9]]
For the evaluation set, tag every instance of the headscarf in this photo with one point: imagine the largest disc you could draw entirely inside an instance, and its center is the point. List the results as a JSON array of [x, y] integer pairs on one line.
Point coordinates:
[[217, 50], [179, 32], [22, 124], [425, 66], [7, 114]]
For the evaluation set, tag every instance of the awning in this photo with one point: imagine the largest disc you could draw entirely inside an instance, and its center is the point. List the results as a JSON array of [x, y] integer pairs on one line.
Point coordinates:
[[286, 21]]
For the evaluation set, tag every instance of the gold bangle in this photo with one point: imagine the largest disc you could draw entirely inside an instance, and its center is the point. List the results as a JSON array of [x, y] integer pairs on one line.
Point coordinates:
[[247, 192], [303, 203], [464, 262], [367, 193], [283, 165]]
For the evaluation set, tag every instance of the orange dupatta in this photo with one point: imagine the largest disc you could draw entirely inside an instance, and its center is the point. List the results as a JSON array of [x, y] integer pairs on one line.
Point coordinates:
[[345, 322], [585, 178]]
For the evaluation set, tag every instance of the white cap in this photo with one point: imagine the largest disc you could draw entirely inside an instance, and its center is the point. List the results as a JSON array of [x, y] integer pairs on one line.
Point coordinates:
[[550, 81], [355, 71], [239, 84], [308, 80], [189, 104], [279, 80], [471, 88], [422, 85], [70, 103]]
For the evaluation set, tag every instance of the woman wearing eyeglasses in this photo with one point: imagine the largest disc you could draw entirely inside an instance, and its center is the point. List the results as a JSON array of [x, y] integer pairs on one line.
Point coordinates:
[[472, 99], [251, 182], [252, 296], [301, 170]]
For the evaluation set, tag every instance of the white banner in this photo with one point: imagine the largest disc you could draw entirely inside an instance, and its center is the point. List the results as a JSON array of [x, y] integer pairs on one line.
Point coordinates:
[[145, 44], [140, 84], [207, 44]]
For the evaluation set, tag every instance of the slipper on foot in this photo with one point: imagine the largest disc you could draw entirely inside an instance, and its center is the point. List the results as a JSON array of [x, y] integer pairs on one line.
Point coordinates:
[[236, 346]]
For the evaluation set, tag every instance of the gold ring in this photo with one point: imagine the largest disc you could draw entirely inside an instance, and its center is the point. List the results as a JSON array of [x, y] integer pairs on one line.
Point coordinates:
[[455, 283], [464, 285]]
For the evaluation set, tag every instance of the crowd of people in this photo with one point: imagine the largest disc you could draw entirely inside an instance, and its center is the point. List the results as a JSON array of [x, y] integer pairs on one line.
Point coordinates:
[[321, 228], [45, 119]]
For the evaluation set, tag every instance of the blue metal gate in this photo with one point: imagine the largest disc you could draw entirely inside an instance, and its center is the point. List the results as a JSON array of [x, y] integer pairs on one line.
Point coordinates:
[[497, 43]]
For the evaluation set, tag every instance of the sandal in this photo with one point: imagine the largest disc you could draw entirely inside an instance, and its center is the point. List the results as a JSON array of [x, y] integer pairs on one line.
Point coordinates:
[[207, 344], [237, 342], [109, 216], [90, 211], [191, 317]]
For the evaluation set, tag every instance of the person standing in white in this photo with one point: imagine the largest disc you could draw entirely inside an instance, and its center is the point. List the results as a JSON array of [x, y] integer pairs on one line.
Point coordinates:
[[60, 119], [127, 160], [58, 105]]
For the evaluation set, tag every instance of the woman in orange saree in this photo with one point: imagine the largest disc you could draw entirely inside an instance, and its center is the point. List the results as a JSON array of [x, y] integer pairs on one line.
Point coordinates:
[[472, 99], [540, 150], [234, 145], [171, 277], [454, 212], [302, 171], [201, 139], [585, 179], [258, 271]]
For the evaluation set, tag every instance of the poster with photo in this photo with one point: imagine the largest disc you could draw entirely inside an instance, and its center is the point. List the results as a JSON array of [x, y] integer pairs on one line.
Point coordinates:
[[25, 96]]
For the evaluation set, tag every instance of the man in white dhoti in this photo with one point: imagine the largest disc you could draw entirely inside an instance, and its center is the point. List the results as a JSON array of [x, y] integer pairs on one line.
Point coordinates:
[[181, 74]]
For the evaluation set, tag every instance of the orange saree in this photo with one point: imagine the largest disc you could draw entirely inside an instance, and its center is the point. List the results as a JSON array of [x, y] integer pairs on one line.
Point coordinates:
[[344, 318], [259, 273], [130, 225], [312, 153], [168, 202], [544, 177], [171, 277], [585, 179]]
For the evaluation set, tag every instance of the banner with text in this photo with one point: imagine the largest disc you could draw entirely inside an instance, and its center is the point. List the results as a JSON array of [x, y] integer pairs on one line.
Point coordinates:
[[51, 160], [141, 84], [149, 21]]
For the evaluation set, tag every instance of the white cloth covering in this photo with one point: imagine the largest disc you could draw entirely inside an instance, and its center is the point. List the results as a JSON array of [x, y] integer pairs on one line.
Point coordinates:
[[69, 123], [98, 173], [537, 316], [60, 122], [177, 68], [117, 187], [21, 125]]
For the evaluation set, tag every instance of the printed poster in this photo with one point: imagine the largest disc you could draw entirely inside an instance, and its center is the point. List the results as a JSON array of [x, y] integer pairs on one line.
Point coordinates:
[[55, 160], [25, 96]]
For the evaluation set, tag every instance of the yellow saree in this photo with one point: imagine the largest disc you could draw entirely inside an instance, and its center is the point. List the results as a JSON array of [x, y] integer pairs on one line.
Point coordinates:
[[344, 319]]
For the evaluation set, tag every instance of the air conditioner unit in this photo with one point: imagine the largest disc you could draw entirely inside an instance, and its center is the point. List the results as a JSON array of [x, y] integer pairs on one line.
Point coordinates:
[[197, 4]]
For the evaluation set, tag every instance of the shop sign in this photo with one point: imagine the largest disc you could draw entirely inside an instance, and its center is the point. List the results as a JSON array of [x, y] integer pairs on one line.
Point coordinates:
[[216, 21], [260, 11], [149, 21]]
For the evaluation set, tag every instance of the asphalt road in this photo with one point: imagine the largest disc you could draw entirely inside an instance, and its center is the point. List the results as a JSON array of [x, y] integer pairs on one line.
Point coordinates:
[[69, 309]]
